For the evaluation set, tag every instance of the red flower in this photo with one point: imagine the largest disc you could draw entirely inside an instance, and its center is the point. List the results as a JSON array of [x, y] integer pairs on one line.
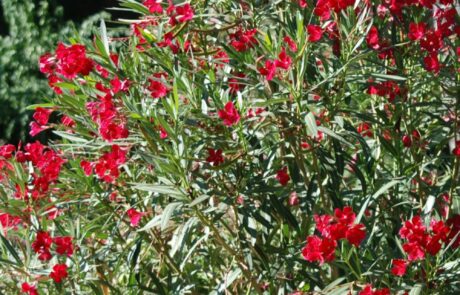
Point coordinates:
[[154, 6], [416, 31], [399, 267], [269, 70], [284, 61], [293, 199], [319, 250], [454, 224], [365, 129], [314, 33], [282, 176], [433, 245], [6, 151], [42, 245], [107, 167], [414, 251], [134, 216], [215, 157], [59, 272], [356, 234], [368, 291], [322, 10], [47, 63], [438, 228], [456, 150], [345, 216], [235, 83], [229, 114], [72, 61], [8, 221], [323, 224], [163, 132], [64, 245], [372, 38], [432, 41], [183, 14], [118, 85], [52, 80], [406, 140], [221, 58], [157, 89], [36, 129], [29, 289], [413, 230], [432, 63], [291, 43], [42, 115], [243, 40], [67, 121]]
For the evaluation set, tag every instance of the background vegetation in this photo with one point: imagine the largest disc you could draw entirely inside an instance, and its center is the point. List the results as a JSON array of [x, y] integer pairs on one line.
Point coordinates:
[[27, 30]]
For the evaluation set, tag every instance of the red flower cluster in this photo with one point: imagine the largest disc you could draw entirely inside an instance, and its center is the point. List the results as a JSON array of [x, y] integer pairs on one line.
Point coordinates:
[[156, 87], [243, 40], [134, 216], [431, 39], [365, 129], [46, 161], [8, 221], [229, 114], [174, 45], [215, 157], [314, 33], [454, 224], [41, 117], [282, 176], [323, 7], [68, 61], [283, 62], [332, 229], [387, 89], [369, 291], [59, 272], [43, 242], [399, 267], [455, 150], [179, 14], [111, 124], [6, 152], [154, 6], [235, 83], [29, 289], [421, 241], [107, 167]]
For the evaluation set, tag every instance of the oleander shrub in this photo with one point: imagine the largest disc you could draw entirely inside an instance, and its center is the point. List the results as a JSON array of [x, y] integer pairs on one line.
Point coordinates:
[[243, 147]]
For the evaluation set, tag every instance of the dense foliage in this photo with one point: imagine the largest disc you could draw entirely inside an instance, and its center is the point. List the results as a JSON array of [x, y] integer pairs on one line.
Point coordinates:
[[278, 147]]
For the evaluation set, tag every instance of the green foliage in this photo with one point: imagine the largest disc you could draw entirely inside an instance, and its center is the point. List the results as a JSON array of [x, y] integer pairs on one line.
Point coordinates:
[[235, 227]]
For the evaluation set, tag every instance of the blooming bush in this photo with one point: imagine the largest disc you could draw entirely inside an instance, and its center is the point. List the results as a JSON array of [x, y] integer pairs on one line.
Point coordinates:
[[279, 147]]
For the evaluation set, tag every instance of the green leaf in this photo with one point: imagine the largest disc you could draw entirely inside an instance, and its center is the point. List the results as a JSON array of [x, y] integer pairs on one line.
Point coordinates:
[[333, 134], [310, 120], [167, 213], [379, 192], [40, 105], [158, 188], [389, 77], [11, 250], [105, 40], [135, 6]]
